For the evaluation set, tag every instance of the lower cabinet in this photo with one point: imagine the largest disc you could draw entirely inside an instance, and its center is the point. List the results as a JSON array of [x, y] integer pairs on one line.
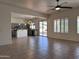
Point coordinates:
[[31, 32]]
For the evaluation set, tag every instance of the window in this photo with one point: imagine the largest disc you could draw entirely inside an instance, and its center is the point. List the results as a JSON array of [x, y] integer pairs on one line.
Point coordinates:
[[66, 25], [55, 26], [61, 25], [58, 25], [78, 24], [32, 26]]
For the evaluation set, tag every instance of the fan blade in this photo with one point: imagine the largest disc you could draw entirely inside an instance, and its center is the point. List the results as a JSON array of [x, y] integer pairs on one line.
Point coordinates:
[[66, 7], [50, 9], [57, 0], [51, 6], [63, 3]]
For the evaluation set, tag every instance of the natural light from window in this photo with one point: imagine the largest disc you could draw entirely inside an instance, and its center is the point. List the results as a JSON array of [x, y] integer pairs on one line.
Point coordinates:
[[78, 24], [61, 25]]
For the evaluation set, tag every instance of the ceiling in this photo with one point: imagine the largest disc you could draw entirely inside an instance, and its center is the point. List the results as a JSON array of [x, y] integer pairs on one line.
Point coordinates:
[[40, 5]]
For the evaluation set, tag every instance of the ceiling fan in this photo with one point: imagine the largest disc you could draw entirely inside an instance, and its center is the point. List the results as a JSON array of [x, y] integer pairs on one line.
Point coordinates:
[[59, 6]]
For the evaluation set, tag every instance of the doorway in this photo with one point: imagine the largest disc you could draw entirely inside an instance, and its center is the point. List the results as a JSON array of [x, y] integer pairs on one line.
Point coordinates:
[[43, 28]]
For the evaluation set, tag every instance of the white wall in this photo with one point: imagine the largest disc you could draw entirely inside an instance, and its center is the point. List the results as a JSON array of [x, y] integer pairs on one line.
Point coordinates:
[[5, 33], [72, 16], [5, 20]]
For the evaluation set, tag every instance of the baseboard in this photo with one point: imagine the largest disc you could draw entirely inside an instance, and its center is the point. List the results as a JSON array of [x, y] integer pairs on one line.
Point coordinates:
[[64, 39]]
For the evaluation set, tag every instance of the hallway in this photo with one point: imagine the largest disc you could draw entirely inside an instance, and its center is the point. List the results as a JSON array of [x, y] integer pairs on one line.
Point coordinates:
[[40, 48]]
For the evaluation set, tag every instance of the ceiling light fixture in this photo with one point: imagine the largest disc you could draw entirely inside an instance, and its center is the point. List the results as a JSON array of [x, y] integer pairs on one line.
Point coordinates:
[[57, 8]]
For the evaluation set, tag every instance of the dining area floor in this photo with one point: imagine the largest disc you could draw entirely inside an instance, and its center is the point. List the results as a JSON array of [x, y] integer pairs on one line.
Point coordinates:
[[39, 47]]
